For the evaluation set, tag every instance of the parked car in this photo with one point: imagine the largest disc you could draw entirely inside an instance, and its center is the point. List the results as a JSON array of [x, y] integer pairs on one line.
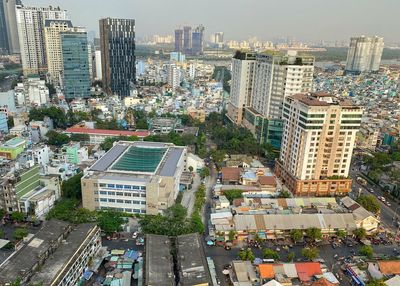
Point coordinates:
[[135, 235]]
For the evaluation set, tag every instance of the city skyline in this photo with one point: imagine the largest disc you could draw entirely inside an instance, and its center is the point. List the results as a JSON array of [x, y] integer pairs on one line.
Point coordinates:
[[300, 18]]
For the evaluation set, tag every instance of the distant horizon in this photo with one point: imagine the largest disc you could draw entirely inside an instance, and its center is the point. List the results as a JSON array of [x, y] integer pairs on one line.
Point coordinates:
[[305, 21]]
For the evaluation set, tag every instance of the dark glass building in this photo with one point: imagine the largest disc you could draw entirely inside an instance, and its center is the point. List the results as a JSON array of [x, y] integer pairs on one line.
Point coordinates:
[[4, 47], [198, 41], [117, 42], [76, 75], [178, 40]]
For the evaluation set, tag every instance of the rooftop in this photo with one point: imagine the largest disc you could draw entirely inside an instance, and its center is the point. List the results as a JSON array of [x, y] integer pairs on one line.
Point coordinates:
[[14, 142], [140, 157], [56, 263], [81, 130], [25, 259], [159, 267], [193, 263], [322, 99]]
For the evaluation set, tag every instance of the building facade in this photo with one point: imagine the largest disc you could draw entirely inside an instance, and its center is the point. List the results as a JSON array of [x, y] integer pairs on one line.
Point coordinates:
[[52, 30], [317, 145], [135, 177], [11, 25], [4, 46], [364, 54], [178, 40], [76, 73], [30, 23], [117, 41], [243, 67], [198, 41], [187, 39]]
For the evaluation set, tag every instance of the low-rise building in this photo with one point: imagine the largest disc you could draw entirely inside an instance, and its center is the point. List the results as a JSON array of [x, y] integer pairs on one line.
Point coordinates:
[[57, 255], [97, 136], [12, 148], [192, 263], [135, 177]]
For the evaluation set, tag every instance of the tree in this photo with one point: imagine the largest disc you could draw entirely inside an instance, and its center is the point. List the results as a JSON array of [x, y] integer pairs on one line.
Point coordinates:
[[376, 283], [218, 156], [370, 203], [246, 254], [57, 139], [360, 233], [110, 221], [366, 250], [205, 172], [2, 233], [72, 188], [2, 213], [285, 194], [20, 233], [190, 169], [109, 142], [310, 253], [341, 233], [10, 122], [231, 235], [17, 216], [196, 223], [270, 254], [290, 256], [80, 137], [233, 194], [314, 233], [296, 235], [56, 114]]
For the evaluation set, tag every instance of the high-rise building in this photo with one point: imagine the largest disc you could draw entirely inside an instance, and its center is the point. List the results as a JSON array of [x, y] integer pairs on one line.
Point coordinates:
[[187, 39], [243, 67], [52, 30], [198, 41], [217, 38], [31, 22], [11, 25], [259, 85], [318, 140], [178, 40], [364, 54], [76, 74], [4, 47], [117, 41], [97, 57], [173, 75]]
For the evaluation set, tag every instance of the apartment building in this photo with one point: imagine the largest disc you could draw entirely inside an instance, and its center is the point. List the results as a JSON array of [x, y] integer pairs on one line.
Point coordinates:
[[135, 177], [31, 23], [52, 30], [364, 54], [260, 83], [317, 144], [58, 254]]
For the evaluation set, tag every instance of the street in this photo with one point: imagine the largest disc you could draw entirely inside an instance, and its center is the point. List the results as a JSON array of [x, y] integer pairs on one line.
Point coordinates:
[[188, 198]]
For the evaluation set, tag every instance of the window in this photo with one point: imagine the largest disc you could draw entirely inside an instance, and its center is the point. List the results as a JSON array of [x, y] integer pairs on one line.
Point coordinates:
[[127, 201], [111, 193], [103, 200], [96, 199], [111, 186], [103, 193], [120, 193], [142, 202], [120, 201], [127, 187], [127, 194], [96, 192], [111, 200], [120, 186]]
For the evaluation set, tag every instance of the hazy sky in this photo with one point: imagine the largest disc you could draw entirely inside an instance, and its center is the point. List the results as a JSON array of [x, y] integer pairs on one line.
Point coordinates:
[[307, 20]]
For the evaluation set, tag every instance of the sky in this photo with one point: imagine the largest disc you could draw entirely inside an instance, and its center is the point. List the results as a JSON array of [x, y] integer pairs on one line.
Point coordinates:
[[305, 20]]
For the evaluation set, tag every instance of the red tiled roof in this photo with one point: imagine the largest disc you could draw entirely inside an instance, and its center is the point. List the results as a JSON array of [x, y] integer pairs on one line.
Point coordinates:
[[230, 174], [108, 132], [266, 271], [322, 282], [389, 267], [267, 180], [306, 270]]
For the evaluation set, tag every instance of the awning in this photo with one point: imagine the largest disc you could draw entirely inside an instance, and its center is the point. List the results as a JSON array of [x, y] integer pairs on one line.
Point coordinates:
[[3, 242]]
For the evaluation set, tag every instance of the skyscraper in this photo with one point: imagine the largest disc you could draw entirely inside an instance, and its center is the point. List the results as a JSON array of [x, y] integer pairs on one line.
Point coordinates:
[[117, 41], [76, 77], [198, 41], [11, 24], [243, 66], [4, 47], [364, 54], [52, 31], [187, 39], [260, 82], [319, 135], [178, 40], [30, 22]]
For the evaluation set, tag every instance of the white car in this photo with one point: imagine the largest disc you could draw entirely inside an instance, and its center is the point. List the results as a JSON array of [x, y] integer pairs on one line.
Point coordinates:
[[135, 235]]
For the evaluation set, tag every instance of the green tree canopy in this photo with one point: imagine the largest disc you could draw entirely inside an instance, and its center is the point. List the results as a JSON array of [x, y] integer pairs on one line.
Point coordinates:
[[341, 233], [233, 194], [57, 139], [360, 233], [80, 137], [290, 256], [366, 250], [17, 216], [110, 221], [109, 142], [376, 283], [270, 254], [20, 233], [370, 203], [314, 233], [205, 172], [310, 253], [196, 223], [246, 254], [71, 188], [55, 113], [296, 235]]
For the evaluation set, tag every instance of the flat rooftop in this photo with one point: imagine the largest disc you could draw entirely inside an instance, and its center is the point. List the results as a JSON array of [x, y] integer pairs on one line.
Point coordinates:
[[57, 262], [159, 265], [322, 99], [14, 142], [141, 158], [27, 256], [193, 264]]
